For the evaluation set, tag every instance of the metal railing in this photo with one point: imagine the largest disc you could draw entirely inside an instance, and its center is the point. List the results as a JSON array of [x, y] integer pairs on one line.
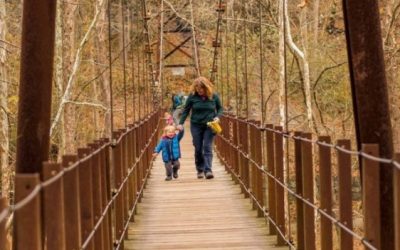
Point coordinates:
[[258, 160], [87, 200]]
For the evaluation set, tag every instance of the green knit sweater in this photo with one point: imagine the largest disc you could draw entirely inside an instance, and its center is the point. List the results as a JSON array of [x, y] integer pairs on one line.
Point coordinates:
[[203, 109]]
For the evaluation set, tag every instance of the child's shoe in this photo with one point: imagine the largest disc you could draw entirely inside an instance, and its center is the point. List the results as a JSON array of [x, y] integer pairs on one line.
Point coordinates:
[[168, 178], [175, 174]]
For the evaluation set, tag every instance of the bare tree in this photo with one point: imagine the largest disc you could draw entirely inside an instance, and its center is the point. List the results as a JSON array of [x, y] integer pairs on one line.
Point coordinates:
[[4, 136]]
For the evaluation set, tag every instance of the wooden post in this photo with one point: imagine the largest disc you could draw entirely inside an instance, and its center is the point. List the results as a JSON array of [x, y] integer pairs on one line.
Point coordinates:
[[73, 230], [271, 182], [345, 199], [396, 194], [308, 192], [371, 191], [299, 191], [27, 220], [119, 207], [325, 174], [96, 192], [3, 224], [86, 195], [279, 191], [53, 208], [370, 96]]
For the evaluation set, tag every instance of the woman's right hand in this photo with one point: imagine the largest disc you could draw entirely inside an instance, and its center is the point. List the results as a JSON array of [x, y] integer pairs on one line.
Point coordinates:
[[179, 127]]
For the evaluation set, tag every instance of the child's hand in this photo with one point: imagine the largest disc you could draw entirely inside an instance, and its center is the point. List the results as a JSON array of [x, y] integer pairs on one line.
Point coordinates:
[[179, 127], [155, 154]]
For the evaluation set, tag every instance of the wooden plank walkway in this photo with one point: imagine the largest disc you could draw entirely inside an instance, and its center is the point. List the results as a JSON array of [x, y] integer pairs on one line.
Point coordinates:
[[191, 213]]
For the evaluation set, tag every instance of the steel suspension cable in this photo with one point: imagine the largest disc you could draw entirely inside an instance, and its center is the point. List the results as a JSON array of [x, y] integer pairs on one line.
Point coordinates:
[[236, 66], [133, 66], [196, 53], [245, 61], [227, 66], [124, 60], [139, 83], [217, 43], [286, 109], [149, 64], [161, 52], [261, 64], [221, 81], [110, 68]]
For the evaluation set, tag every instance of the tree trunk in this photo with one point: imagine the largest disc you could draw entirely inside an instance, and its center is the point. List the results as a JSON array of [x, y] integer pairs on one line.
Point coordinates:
[[306, 68], [4, 139], [69, 49], [282, 89], [59, 66], [101, 58]]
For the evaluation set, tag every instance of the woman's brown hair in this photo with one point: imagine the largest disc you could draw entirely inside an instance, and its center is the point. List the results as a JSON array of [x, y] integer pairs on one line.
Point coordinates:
[[204, 83]]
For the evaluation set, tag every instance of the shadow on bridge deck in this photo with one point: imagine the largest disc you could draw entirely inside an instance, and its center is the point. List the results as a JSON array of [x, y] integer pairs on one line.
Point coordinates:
[[191, 213]]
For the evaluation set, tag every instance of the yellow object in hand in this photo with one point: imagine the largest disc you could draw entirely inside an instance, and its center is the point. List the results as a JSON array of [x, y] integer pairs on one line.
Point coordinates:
[[215, 127]]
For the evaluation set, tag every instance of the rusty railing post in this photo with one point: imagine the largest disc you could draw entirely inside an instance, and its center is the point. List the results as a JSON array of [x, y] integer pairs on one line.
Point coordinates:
[[34, 110], [371, 191], [396, 194], [28, 230], [370, 96], [279, 191], [3, 224], [270, 181], [299, 191], [345, 199], [96, 192], [118, 207], [73, 231], [53, 208], [308, 192], [86, 196], [325, 180]]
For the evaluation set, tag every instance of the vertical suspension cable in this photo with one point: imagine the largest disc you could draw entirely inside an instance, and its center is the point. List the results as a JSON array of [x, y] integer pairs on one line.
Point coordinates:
[[139, 83], [110, 68], [245, 61], [236, 66], [217, 43], [261, 65], [133, 64], [286, 129], [149, 64], [196, 53], [227, 65], [144, 71], [161, 53], [146, 81], [124, 61], [221, 80]]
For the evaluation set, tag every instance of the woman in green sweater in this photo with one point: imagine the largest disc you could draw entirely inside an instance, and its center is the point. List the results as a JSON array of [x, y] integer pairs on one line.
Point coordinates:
[[205, 106]]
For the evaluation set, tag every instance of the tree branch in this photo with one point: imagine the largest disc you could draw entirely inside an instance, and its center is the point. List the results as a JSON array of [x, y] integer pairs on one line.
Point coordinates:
[[77, 62]]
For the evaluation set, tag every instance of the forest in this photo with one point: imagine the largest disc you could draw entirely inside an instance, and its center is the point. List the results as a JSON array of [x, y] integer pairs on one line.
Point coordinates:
[[295, 75]]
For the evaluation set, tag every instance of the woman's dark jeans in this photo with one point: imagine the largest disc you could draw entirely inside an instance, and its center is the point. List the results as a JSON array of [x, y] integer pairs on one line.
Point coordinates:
[[202, 141]]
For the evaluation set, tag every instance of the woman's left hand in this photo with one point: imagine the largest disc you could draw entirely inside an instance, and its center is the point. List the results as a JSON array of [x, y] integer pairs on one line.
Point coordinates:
[[216, 119]]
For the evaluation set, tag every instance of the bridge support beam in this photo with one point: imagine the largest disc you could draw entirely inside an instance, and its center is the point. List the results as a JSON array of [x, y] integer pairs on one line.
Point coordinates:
[[370, 97], [37, 53]]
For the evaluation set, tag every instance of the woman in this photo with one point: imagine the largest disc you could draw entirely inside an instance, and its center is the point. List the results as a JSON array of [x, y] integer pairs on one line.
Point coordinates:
[[205, 106]]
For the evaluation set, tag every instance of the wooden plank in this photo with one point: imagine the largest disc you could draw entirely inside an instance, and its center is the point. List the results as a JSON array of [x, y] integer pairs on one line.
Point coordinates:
[[191, 213]]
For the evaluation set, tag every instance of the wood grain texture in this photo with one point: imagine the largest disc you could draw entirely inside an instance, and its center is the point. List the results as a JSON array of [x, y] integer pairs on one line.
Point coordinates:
[[191, 213]]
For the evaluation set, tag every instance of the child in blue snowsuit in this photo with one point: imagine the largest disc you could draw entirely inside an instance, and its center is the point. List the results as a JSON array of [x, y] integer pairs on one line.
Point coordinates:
[[171, 152]]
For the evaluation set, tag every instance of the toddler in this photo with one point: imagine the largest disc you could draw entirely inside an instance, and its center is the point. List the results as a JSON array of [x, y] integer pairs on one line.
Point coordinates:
[[171, 152], [169, 120]]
